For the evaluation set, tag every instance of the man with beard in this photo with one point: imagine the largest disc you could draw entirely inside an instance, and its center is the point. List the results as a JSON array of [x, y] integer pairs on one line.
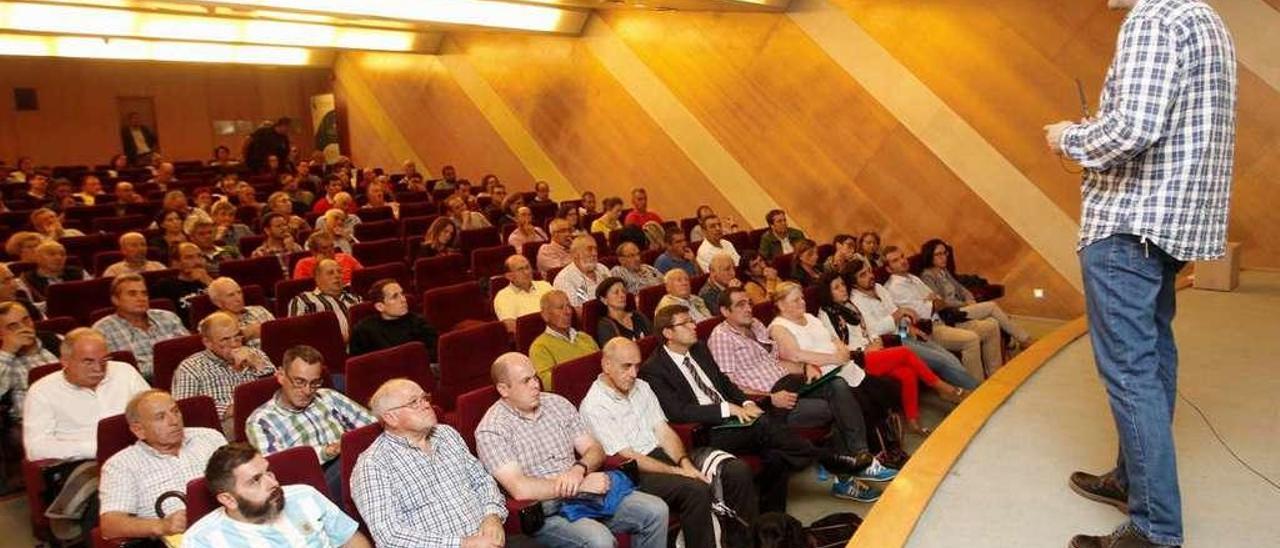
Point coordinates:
[[258, 511]]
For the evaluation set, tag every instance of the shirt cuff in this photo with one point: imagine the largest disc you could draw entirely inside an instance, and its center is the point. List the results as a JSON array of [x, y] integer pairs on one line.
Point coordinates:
[[724, 410]]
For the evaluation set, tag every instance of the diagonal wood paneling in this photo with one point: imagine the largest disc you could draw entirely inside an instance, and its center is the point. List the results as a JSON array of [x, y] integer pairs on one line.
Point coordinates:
[[586, 122], [435, 117], [823, 147], [1007, 68]]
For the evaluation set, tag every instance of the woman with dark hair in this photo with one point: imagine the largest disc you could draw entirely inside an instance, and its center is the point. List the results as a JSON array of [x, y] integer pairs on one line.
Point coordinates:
[[441, 239], [618, 318], [842, 320], [569, 213], [869, 249], [170, 222], [760, 277], [939, 265], [804, 264], [610, 218]]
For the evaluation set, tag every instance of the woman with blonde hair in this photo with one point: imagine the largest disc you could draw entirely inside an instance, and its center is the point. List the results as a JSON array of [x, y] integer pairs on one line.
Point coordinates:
[[441, 239]]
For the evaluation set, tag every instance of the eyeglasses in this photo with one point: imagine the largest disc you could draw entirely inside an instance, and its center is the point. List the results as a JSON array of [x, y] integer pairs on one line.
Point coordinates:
[[304, 383], [422, 399], [686, 322]]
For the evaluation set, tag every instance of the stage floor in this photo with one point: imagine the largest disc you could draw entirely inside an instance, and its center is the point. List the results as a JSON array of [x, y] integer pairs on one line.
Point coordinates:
[[1009, 488]]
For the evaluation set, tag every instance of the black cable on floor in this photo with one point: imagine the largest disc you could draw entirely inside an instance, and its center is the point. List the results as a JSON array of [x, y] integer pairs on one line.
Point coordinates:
[[1224, 442]]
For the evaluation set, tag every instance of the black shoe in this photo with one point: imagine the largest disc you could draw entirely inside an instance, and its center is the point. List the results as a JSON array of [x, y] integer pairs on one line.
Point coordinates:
[[1102, 489], [846, 465], [1127, 536]]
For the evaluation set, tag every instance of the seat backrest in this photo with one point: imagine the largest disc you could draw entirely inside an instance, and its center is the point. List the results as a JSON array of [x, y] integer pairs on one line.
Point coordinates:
[[104, 259], [296, 465], [41, 371], [114, 434], [364, 278], [367, 372], [353, 443], [439, 271], [371, 215], [59, 324], [465, 358], [782, 263], [286, 290], [414, 227], [648, 345], [247, 398], [446, 307], [754, 237], [378, 252], [78, 299], [647, 299], [573, 378], [263, 272], [530, 251], [705, 326], [376, 229], [320, 330], [528, 327], [358, 312], [168, 354], [764, 312], [472, 406], [696, 283], [200, 305], [490, 261], [477, 238]]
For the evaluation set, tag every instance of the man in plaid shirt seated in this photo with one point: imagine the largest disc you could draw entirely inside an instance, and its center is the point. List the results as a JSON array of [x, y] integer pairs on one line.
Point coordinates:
[[303, 412], [1157, 161]]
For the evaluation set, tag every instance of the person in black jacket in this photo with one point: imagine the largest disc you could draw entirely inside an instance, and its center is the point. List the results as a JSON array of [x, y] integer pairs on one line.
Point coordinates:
[[272, 140], [713, 401], [138, 141], [394, 324]]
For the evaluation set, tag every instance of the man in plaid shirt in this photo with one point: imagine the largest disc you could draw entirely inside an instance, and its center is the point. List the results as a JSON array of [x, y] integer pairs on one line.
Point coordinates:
[[1157, 162]]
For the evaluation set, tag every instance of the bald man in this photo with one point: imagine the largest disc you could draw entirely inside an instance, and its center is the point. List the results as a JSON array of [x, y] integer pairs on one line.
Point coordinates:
[[133, 245], [224, 364], [226, 294], [520, 297]]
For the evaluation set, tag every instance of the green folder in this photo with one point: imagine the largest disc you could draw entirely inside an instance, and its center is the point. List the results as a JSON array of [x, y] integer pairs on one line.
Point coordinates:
[[818, 382], [733, 422]]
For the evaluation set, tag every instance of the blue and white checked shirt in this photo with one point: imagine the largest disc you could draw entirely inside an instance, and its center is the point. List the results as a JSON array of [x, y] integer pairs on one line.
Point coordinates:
[[274, 427], [416, 499], [162, 325], [308, 520], [1158, 155]]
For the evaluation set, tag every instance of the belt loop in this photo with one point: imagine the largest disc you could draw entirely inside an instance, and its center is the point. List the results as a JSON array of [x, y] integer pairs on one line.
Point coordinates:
[[1146, 249]]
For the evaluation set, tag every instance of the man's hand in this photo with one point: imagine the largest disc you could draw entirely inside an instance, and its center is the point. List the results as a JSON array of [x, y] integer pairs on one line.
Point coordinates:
[[480, 540], [492, 528], [332, 450], [687, 470], [251, 330], [241, 358], [596, 483], [783, 399], [875, 344], [1053, 135], [569, 482], [770, 273], [202, 275], [746, 412], [173, 523], [734, 282], [17, 339], [811, 372]]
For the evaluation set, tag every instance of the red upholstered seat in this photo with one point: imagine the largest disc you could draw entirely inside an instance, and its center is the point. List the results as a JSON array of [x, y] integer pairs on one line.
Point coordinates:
[[471, 408], [319, 330], [359, 312], [465, 358], [201, 306], [439, 271], [705, 327], [460, 305], [573, 378], [370, 215], [248, 244], [120, 224], [353, 443], [477, 238], [58, 324], [528, 327], [696, 283], [263, 272], [286, 290], [378, 252], [78, 299], [647, 299], [764, 312], [168, 354], [364, 278], [490, 261], [366, 373], [291, 466], [247, 398]]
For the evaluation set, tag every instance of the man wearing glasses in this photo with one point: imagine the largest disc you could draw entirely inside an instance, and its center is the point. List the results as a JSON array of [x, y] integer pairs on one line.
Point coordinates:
[[303, 412], [224, 364]]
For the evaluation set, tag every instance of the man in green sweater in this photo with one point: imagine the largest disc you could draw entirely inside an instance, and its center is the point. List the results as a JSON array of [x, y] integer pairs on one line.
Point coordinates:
[[560, 342]]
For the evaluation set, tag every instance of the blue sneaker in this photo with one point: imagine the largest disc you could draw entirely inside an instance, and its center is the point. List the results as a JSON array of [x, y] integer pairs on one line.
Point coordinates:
[[876, 472], [853, 490]]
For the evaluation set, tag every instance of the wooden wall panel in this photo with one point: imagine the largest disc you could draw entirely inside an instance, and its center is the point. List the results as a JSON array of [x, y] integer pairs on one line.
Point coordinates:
[[1007, 68], [78, 105], [596, 134], [825, 149], [436, 118]]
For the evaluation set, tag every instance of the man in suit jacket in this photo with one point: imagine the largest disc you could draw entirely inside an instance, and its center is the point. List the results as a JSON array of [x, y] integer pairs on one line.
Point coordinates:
[[138, 141], [691, 388]]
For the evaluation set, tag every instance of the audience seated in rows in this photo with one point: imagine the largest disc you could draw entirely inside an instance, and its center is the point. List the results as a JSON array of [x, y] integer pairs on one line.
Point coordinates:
[[538, 448], [62, 409], [523, 295], [632, 269], [135, 326], [192, 280], [332, 186], [977, 340], [256, 510], [305, 413], [677, 255], [714, 243], [226, 294], [51, 268], [610, 218], [202, 233], [525, 230], [618, 315], [623, 413], [393, 325], [282, 203], [680, 292], [940, 261], [640, 214], [165, 457], [331, 295], [22, 349], [321, 246], [441, 238], [278, 242], [48, 224], [779, 239], [133, 246], [555, 253], [463, 219], [224, 364], [579, 278], [226, 229], [560, 342], [721, 276]]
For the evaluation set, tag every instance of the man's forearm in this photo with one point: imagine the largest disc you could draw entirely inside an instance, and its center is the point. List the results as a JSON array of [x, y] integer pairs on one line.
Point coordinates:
[[121, 525]]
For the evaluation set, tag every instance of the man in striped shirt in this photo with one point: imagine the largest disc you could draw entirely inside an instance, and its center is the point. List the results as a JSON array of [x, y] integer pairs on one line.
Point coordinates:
[[258, 511], [328, 296], [1157, 161], [304, 413]]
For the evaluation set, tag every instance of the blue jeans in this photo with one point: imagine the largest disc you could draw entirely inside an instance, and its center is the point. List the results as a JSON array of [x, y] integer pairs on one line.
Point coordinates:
[[642, 515], [942, 362], [1129, 293]]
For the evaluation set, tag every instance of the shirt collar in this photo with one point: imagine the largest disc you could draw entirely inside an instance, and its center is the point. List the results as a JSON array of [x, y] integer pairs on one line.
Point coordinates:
[[612, 392], [187, 440], [676, 357], [571, 337]]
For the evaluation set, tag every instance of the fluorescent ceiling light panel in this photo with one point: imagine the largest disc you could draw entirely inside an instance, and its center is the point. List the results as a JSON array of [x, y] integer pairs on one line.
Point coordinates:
[[481, 13], [149, 50]]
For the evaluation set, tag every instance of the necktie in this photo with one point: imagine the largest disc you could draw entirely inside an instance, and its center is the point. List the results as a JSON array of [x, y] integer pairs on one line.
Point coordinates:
[[697, 380]]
